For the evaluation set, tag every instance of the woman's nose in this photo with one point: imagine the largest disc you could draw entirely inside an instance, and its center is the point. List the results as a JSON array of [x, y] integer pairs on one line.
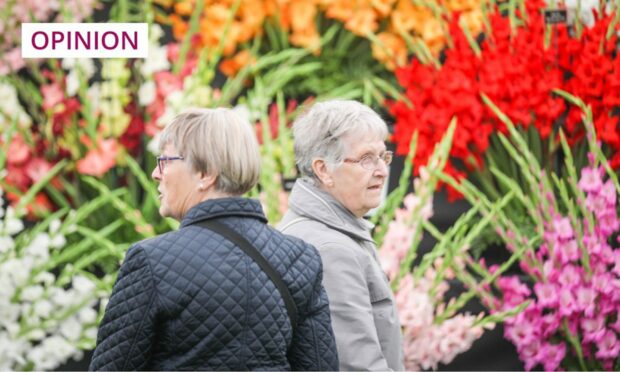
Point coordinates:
[[156, 174], [381, 170]]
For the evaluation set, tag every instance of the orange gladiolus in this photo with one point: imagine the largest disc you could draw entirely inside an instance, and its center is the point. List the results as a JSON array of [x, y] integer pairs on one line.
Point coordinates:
[[383, 7], [362, 22], [185, 7], [462, 5], [392, 51], [433, 35], [231, 66], [309, 39], [298, 19], [472, 20], [303, 14], [340, 9], [179, 26]]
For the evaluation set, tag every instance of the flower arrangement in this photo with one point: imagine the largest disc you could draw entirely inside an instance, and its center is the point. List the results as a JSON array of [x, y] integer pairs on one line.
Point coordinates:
[[517, 64], [50, 307], [434, 331], [345, 39], [571, 295], [394, 22], [74, 143]]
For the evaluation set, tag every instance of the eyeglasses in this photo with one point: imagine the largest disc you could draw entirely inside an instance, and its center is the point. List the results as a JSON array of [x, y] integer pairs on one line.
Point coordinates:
[[369, 161], [162, 161]]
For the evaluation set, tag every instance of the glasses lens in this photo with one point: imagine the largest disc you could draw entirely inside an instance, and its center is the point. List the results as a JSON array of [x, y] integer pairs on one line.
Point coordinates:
[[368, 162]]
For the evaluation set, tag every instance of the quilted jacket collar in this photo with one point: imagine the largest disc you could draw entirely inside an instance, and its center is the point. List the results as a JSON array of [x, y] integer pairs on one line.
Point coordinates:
[[224, 207], [311, 202]]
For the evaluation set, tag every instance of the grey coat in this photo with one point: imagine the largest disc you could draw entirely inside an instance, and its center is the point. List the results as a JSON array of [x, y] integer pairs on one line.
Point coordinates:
[[363, 311]]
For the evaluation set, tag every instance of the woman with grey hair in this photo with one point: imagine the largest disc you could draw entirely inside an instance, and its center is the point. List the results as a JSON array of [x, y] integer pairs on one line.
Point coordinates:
[[340, 152], [225, 291]]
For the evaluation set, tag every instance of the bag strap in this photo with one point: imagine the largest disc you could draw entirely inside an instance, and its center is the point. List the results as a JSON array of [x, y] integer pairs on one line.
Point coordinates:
[[251, 251]]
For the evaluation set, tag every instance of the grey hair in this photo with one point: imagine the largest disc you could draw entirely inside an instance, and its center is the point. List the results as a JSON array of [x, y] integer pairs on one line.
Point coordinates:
[[217, 141], [318, 132]]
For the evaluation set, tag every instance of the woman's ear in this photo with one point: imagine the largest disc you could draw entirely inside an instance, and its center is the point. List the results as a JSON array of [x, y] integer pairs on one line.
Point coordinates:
[[206, 181], [319, 166]]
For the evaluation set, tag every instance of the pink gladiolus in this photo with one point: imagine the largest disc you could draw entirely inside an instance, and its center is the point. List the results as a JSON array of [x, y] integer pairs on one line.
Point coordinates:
[[547, 294], [100, 160], [608, 347], [590, 180], [18, 152], [570, 276], [569, 251], [593, 328], [52, 95], [563, 228], [37, 168], [14, 60], [586, 298], [551, 355]]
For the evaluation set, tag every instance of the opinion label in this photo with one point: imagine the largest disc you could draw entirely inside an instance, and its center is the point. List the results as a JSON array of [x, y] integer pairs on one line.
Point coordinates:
[[85, 40]]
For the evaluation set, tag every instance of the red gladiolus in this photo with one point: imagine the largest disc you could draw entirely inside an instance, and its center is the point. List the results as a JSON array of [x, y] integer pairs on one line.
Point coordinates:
[[518, 74]]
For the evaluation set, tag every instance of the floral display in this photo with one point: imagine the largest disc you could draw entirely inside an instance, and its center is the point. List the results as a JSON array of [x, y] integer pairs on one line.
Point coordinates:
[[433, 330], [394, 22], [479, 96], [570, 294], [49, 308], [518, 64]]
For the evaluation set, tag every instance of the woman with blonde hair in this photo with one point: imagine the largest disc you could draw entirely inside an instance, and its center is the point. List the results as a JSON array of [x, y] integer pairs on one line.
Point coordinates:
[[225, 291]]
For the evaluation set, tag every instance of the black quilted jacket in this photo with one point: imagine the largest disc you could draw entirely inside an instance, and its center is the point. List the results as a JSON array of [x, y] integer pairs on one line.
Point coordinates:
[[190, 299]]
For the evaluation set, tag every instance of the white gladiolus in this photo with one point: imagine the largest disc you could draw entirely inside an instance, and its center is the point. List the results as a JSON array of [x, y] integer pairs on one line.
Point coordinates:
[[12, 225], [58, 241], [157, 60], [6, 243], [43, 308], [153, 145], [35, 335], [93, 93], [55, 226], [32, 293], [60, 297], [10, 108], [91, 333], [39, 247], [51, 351], [46, 278], [83, 284], [9, 313], [87, 315], [71, 329], [146, 93], [18, 271], [42, 326], [73, 82]]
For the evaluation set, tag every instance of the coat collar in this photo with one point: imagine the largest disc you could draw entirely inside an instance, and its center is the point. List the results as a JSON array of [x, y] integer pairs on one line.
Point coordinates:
[[309, 201], [224, 207]]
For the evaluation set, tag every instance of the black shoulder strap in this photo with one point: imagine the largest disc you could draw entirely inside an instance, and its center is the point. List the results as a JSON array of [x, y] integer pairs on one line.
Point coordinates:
[[251, 251]]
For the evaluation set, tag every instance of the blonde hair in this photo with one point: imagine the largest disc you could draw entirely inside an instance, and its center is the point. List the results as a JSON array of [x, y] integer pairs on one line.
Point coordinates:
[[217, 141]]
